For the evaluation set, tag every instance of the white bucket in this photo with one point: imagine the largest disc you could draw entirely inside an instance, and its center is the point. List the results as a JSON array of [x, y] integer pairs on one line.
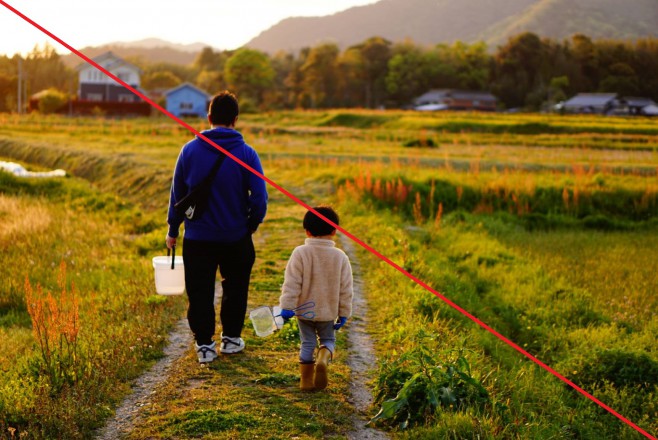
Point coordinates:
[[168, 281]]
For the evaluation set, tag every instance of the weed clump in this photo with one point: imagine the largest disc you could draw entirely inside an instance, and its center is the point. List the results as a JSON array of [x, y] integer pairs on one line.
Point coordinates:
[[55, 323], [413, 388], [620, 368], [429, 143], [603, 223], [354, 120]]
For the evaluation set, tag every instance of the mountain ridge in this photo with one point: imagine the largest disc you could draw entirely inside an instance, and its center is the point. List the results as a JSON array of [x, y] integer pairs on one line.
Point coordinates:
[[153, 54], [155, 43], [153, 50], [446, 21]]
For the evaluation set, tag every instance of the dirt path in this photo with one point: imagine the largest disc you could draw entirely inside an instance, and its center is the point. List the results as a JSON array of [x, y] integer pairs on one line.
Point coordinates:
[[128, 413], [361, 357], [361, 360]]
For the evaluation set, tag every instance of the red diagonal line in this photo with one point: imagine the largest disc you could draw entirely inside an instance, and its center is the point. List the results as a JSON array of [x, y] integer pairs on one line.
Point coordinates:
[[347, 233]]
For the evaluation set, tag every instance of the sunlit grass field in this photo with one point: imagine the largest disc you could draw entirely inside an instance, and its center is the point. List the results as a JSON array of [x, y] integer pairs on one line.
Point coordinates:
[[543, 226]]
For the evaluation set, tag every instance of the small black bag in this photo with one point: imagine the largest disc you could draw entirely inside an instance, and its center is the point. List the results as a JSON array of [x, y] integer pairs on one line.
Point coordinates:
[[196, 201]]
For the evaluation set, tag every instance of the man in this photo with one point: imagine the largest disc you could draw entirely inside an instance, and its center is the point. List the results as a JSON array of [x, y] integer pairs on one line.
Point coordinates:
[[221, 236]]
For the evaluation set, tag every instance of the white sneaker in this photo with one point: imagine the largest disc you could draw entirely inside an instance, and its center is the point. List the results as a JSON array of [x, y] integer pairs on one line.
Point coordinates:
[[206, 353], [231, 345]]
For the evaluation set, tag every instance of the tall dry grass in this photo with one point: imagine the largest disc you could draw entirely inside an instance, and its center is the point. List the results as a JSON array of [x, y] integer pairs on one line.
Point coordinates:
[[21, 217]]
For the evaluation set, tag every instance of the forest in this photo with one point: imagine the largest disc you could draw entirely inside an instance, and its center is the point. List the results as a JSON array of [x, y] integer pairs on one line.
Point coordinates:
[[527, 73]]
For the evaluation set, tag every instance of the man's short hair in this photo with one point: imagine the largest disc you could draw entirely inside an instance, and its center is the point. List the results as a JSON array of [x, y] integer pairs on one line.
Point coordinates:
[[318, 227], [223, 108]]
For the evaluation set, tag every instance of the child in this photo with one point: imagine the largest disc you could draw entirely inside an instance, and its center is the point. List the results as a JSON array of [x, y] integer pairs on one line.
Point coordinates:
[[320, 273]]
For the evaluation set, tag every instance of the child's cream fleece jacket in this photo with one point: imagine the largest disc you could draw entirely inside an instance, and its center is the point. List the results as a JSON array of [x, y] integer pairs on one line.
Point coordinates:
[[320, 272]]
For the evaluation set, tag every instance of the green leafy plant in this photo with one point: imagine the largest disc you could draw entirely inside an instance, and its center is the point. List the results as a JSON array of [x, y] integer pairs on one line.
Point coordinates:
[[426, 381]]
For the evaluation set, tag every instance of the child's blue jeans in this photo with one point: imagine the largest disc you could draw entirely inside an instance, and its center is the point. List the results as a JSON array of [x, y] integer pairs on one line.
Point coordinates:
[[312, 331]]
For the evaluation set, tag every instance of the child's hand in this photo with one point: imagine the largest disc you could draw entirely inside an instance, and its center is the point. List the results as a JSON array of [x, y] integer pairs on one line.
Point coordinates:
[[340, 322], [287, 314]]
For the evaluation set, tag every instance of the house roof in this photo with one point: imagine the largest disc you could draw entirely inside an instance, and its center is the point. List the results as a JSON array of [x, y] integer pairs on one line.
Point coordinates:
[[436, 95], [116, 62], [650, 110], [189, 86], [633, 101], [590, 100]]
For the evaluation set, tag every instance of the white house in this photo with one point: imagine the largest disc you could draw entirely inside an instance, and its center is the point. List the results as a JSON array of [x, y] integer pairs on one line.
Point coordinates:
[[187, 100], [96, 86]]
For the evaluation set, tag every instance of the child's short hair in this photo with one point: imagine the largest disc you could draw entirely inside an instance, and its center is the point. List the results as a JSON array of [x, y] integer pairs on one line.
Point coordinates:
[[318, 227]]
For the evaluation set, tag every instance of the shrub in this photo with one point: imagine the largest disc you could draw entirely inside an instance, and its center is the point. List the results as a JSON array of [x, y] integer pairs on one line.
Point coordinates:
[[420, 143], [622, 369], [52, 100], [603, 223], [539, 222], [355, 120]]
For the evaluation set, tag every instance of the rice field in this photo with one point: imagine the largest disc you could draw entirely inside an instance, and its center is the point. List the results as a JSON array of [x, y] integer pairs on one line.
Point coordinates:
[[543, 226]]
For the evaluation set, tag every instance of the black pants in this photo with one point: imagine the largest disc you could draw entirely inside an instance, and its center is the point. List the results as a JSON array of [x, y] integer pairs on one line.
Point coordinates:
[[235, 260]]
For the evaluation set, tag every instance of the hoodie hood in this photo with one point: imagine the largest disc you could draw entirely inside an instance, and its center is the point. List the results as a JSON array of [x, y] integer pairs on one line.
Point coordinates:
[[227, 138]]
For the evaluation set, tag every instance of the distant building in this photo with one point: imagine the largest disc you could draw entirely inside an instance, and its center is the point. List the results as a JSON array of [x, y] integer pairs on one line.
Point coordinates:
[[639, 106], [452, 99], [608, 104], [187, 100], [99, 94], [600, 103], [96, 86]]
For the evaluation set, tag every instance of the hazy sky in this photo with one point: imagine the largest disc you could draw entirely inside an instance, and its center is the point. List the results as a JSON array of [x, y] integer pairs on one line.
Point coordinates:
[[221, 24]]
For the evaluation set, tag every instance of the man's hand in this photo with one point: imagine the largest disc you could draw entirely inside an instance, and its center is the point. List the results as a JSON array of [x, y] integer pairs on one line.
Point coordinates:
[[171, 242]]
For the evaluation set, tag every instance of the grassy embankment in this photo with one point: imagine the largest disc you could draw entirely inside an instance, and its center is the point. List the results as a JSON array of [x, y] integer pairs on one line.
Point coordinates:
[[578, 297], [500, 249], [97, 323]]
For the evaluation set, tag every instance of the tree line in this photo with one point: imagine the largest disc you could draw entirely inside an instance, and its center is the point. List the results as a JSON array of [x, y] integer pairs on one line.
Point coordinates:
[[527, 72]]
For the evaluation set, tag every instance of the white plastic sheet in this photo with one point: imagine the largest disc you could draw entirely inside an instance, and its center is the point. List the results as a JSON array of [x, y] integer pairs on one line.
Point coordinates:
[[20, 171]]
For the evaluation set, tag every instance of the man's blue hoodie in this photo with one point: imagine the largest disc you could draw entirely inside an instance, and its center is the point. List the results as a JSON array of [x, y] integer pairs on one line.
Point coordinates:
[[238, 198]]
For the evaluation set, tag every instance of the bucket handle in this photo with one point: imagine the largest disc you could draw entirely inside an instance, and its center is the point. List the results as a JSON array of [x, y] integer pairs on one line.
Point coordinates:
[[173, 257]]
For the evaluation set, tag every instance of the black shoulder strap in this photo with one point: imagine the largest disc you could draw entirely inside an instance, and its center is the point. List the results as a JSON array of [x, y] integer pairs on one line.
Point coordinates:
[[215, 168]]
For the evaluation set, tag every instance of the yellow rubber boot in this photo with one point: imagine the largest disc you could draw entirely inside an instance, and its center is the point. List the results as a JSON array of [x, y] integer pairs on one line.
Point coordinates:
[[321, 366], [306, 381]]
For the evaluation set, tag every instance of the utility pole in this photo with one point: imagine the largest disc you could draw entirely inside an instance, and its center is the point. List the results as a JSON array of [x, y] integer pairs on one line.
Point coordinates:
[[26, 93], [70, 97], [19, 93]]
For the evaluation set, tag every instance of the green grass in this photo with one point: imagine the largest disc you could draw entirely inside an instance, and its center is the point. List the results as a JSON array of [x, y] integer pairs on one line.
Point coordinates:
[[618, 268]]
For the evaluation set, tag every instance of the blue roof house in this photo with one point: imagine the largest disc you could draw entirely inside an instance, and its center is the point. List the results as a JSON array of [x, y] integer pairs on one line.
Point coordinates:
[[187, 100]]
